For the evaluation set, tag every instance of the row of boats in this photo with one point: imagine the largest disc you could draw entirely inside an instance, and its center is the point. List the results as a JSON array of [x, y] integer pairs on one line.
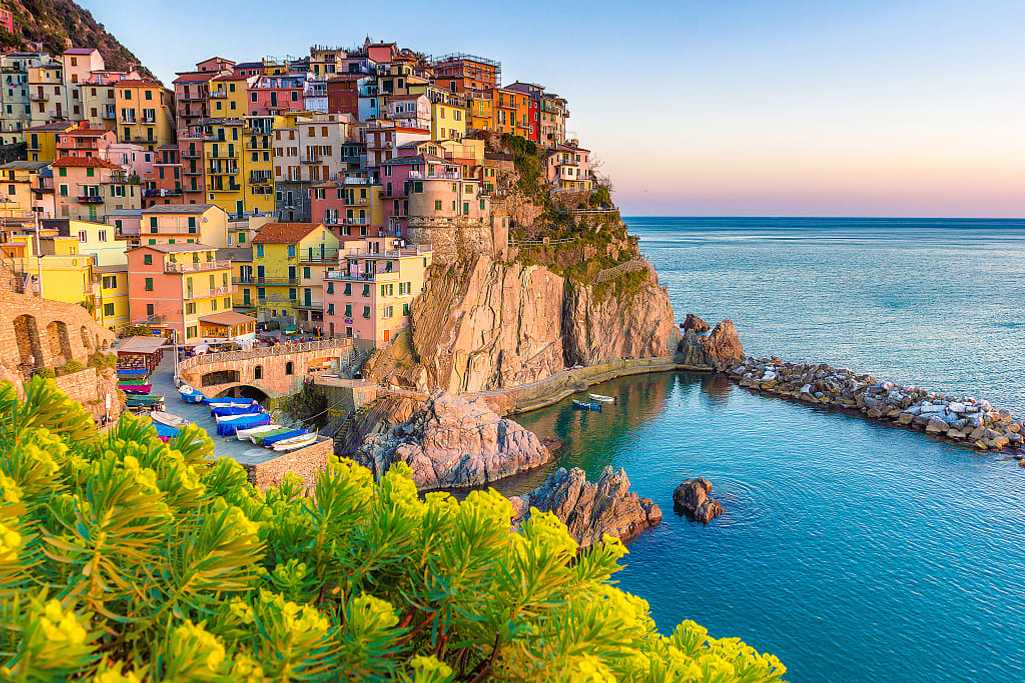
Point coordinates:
[[595, 402], [245, 419], [134, 382]]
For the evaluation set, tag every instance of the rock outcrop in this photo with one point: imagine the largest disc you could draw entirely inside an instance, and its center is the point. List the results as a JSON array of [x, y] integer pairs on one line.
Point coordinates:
[[454, 443], [694, 497], [722, 346], [693, 322], [591, 510], [964, 419]]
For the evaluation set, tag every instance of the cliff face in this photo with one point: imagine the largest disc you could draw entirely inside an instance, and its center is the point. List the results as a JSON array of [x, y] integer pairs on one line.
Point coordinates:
[[61, 24]]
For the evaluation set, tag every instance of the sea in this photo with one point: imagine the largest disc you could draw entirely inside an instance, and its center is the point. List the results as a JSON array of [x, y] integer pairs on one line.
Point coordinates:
[[854, 551]]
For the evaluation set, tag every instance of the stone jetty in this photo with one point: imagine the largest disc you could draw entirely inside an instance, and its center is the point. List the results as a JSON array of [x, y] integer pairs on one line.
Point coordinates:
[[962, 419]]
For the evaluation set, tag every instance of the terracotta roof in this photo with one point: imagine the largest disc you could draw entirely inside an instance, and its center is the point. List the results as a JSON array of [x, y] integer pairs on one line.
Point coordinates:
[[82, 162], [235, 254], [227, 318], [88, 132], [24, 165], [194, 76], [114, 268], [284, 233], [53, 126], [80, 51], [137, 82]]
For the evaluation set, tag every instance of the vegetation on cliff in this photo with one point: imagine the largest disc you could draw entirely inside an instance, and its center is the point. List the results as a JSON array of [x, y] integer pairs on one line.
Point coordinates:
[[60, 24], [130, 559]]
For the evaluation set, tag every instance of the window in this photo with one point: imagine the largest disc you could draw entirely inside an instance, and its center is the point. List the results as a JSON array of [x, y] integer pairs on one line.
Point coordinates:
[[348, 310], [291, 294], [389, 311], [291, 251], [437, 205], [64, 189], [259, 251], [405, 309], [366, 290], [258, 372], [366, 312], [190, 308], [110, 281], [306, 272], [190, 332], [149, 284], [149, 310], [192, 224], [387, 290], [289, 368]]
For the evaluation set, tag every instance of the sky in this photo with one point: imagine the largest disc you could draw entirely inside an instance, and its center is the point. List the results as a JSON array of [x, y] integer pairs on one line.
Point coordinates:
[[703, 107]]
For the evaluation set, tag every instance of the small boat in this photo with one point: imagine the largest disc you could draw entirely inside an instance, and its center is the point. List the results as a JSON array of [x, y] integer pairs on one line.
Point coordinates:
[[168, 419], [143, 399], [190, 394], [219, 411], [132, 372], [135, 388], [230, 401], [132, 380], [602, 398], [295, 442], [165, 432], [237, 417], [231, 427], [258, 438], [268, 441], [587, 405], [244, 434]]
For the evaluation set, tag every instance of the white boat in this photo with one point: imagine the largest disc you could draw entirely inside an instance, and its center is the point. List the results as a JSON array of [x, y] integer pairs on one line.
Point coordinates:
[[244, 434], [232, 418], [603, 398], [168, 419], [295, 442]]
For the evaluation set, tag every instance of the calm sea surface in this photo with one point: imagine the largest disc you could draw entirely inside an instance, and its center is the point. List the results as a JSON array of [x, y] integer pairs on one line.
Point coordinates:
[[854, 551]]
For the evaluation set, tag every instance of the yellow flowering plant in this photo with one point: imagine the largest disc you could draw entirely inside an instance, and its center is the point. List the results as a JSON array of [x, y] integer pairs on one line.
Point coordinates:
[[126, 559]]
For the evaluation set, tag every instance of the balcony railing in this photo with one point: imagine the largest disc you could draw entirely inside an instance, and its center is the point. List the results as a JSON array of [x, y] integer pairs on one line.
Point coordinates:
[[174, 267], [272, 281], [310, 159], [90, 199], [326, 257], [399, 252], [346, 276]]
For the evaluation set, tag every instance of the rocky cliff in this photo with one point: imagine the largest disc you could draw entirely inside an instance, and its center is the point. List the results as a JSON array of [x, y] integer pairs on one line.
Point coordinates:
[[454, 443]]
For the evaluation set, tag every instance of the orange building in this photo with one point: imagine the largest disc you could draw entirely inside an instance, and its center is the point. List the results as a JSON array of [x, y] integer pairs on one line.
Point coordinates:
[[462, 73]]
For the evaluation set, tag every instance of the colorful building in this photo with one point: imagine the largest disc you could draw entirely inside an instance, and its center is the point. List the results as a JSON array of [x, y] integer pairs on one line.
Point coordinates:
[[568, 167], [172, 286], [41, 140], [289, 260], [184, 224], [350, 206], [110, 287], [448, 116], [144, 116], [461, 73], [25, 186], [370, 296], [89, 189], [307, 151], [53, 264]]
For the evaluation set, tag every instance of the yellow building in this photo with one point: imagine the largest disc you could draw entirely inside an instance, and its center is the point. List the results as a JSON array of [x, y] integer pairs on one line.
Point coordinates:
[[110, 292], [243, 296], [143, 113], [24, 185], [41, 140], [222, 149], [258, 164], [448, 121], [481, 112], [229, 96], [289, 261], [184, 223], [65, 274], [99, 241]]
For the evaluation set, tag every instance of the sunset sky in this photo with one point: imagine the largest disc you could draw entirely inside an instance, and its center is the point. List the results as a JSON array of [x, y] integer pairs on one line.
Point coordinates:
[[714, 107]]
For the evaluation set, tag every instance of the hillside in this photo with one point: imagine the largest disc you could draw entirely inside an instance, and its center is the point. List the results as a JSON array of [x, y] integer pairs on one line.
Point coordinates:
[[60, 24]]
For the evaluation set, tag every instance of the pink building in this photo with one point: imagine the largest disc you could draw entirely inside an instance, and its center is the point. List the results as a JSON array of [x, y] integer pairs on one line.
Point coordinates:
[[370, 296], [568, 167], [428, 186], [80, 62], [89, 189], [163, 185], [133, 158], [272, 95], [85, 142], [410, 111]]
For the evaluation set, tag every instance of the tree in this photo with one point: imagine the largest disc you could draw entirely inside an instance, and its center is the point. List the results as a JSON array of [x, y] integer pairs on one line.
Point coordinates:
[[128, 559]]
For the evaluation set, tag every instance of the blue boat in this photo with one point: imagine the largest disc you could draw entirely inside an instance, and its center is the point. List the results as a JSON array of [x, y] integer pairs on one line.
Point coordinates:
[[190, 394], [165, 430], [221, 411], [270, 441], [587, 405], [229, 428], [229, 401]]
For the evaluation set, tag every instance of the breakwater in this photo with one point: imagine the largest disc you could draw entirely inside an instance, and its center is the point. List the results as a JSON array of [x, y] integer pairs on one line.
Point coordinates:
[[965, 420]]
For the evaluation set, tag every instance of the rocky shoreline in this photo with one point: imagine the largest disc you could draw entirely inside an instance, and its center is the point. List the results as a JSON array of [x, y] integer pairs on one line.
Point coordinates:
[[964, 420]]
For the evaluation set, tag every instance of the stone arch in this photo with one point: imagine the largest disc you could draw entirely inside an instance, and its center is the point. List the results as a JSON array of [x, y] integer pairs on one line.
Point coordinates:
[[26, 334], [59, 344], [244, 391], [87, 343]]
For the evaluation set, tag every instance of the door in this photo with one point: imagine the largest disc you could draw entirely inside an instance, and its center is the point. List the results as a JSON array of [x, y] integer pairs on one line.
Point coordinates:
[[259, 273], [307, 297]]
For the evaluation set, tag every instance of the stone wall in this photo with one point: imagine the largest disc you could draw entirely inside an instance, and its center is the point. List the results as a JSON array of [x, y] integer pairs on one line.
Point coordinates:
[[307, 463], [452, 238], [90, 388]]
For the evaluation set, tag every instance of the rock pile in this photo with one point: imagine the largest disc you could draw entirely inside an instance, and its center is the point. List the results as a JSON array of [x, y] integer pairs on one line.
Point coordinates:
[[694, 497], [717, 350], [454, 443], [963, 419], [591, 510]]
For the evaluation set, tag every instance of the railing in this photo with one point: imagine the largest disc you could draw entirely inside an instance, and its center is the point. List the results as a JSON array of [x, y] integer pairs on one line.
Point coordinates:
[[265, 352], [327, 257], [90, 199], [412, 250], [195, 267], [265, 281], [380, 276]]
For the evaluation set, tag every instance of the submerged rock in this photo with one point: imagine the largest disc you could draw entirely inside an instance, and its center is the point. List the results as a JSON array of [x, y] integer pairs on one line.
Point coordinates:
[[694, 497], [690, 351], [591, 510], [454, 443]]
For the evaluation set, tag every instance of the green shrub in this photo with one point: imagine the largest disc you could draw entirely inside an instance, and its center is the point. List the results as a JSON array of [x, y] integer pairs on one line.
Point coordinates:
[[70, 367], [101, 360], [129, 559]]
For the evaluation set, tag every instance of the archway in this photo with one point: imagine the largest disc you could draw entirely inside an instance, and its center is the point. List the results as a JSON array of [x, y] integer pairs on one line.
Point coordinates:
[[245, 391], [219, 377], [59, 344], [26, 335]]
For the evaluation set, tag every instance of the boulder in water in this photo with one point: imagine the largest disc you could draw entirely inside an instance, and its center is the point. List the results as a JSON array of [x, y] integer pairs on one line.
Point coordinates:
[[693, 322], [694, 497], [722, 346]]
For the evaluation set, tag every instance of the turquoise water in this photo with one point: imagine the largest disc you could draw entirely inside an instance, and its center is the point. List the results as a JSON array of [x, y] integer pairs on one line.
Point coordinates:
[[854, 551]]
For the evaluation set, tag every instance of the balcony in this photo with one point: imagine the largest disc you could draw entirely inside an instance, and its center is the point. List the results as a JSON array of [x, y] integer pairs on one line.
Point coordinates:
[[218, 94], [191, 153], [266, 281], [311, 159], [174, 267], [346, 276], [415, 250], [326, 257], [108, 114], [162, 192], [89, 199]]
